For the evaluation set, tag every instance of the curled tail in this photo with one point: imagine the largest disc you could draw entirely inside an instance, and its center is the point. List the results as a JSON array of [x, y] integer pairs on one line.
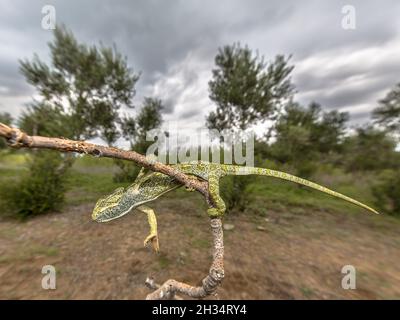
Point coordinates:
[[238, 170]]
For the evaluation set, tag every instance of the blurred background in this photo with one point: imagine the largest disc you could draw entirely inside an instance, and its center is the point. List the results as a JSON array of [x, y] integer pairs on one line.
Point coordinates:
[[319, 85]]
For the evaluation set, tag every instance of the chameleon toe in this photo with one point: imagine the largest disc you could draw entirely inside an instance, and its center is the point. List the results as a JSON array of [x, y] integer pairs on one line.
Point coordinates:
[[153, 239]]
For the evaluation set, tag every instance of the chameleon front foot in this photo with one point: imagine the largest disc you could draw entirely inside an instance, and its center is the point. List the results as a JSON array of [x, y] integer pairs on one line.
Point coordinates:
[[153, 236], [152, 239]]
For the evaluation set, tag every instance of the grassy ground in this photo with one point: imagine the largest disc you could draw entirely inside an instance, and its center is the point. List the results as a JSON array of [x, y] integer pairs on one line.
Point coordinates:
[[291, 243]]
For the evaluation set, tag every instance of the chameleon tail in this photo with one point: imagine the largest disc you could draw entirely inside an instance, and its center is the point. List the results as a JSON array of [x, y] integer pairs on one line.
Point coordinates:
[[238, 170]]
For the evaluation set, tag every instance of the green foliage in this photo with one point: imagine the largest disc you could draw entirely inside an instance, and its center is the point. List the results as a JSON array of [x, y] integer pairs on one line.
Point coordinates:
[[42, 189], [233, 191], [43, 119], [7, 119], [84, 85], [387, 192], [149, 118], [135, 129], [13, 158], [388, 113], [370, 149], [245, 88], [304, 134], [328, 133]]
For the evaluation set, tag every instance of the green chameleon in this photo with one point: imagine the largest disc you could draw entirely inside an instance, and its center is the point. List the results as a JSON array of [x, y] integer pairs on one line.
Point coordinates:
[[150, 185]]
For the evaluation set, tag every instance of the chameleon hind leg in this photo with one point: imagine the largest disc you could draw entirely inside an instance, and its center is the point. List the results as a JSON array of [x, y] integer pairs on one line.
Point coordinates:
[[219, 207], [153, 236]]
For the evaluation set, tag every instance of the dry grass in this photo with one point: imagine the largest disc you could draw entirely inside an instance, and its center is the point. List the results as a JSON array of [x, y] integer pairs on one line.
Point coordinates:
[[299, 255]]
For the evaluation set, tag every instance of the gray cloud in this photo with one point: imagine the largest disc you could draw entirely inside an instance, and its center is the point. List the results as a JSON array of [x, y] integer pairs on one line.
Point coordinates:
[[173, 44], [359, 117], [347, 96]]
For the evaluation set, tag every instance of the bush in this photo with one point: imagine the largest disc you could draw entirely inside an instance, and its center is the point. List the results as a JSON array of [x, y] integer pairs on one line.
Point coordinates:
[[387, 192], [370, 149], [305, 169], [233, 191], [42, 189]]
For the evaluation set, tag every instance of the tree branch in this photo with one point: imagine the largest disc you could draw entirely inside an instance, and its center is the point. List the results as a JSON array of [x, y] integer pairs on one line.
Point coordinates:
[[19, 139]]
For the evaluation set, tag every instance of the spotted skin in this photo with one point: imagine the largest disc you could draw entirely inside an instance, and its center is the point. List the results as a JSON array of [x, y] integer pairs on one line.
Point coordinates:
[[149, 185]]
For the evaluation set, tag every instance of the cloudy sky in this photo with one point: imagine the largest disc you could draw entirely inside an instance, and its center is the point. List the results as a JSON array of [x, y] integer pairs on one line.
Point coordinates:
[[173, 43]]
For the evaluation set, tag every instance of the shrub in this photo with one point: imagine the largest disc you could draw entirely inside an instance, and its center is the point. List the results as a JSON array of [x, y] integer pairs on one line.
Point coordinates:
[[233, 192], [387, 192], [370, 149], [306, 169], [42, 189]]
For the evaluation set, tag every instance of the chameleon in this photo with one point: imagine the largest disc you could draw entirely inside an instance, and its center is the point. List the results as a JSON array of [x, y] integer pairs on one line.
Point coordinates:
[[149, 185]]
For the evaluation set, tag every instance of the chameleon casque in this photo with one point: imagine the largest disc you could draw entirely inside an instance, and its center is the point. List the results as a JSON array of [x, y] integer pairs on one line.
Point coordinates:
[[149, 185]]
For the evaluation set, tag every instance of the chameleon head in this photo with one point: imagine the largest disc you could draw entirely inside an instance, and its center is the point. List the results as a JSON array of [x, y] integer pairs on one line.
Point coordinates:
[[109, 207]]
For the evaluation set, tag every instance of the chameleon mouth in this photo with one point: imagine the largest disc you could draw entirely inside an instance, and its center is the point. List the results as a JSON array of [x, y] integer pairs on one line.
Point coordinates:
[[97, 218], [102, 218]]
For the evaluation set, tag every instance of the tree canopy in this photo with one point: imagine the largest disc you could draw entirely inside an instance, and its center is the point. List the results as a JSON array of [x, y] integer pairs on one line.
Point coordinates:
[[86, 85], [388, 112], [245, 88]]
